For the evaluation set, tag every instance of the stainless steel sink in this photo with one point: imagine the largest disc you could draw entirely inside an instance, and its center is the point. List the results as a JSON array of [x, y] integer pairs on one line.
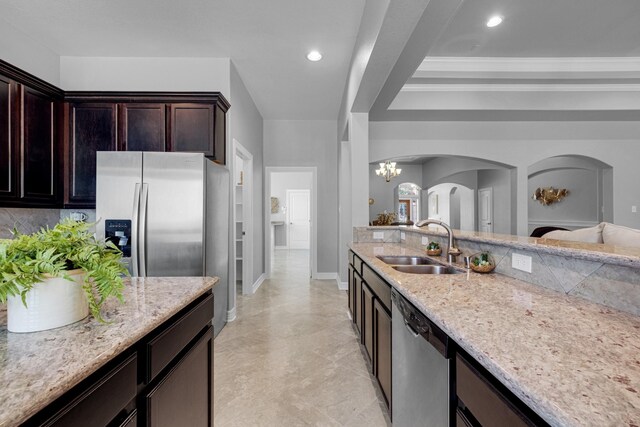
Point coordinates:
[[427, 269], [406, 260]]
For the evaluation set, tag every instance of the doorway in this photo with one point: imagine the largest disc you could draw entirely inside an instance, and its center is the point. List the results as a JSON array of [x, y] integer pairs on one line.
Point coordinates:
[[291, 216], [485, 210], [242, 229]]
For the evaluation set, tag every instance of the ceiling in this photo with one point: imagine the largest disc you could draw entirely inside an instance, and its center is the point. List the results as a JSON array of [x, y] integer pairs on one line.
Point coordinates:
[[266, 40], [543, 28]]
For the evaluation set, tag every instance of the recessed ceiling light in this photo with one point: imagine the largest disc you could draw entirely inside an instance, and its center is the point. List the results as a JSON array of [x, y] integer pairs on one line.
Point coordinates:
[[494, 21], [314, 56]]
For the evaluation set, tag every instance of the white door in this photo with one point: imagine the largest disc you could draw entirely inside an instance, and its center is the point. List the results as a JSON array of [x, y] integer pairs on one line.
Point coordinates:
[[485, 210], [298, 218]]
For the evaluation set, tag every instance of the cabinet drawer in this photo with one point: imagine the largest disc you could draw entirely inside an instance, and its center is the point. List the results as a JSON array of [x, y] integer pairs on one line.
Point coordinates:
[[357, 264], [165, 347], [487, 405], [380, 288], [102, 402]]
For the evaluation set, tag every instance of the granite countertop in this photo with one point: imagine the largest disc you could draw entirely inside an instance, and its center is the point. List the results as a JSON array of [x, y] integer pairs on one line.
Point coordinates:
[[573, 362], [38, 367]]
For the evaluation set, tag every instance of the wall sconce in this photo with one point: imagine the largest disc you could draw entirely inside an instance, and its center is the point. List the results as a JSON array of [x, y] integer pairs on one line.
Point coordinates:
[[549, 195], [388, 170]]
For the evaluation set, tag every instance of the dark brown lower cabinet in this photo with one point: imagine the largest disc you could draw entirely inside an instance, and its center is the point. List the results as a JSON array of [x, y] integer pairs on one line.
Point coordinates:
[[367, 320], [482, 403], [382, 348], [185, 395], [350, 291], [127, 391], [103, 401], [358, 301]]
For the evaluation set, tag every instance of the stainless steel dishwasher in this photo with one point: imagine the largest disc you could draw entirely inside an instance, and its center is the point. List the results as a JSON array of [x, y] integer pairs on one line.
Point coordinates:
[[420, 368]]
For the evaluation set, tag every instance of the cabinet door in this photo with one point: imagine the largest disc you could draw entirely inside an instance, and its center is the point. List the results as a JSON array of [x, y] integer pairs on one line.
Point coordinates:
[[350, 292], [143, 127], [192, 128], [8, 157], [357, 295], [39, 148], [382, 348], [92, 129], [367, 319], [220, 136], [184, 397]]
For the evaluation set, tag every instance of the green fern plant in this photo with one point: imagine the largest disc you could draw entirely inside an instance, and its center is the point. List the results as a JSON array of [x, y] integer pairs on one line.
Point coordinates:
[[27, 258]]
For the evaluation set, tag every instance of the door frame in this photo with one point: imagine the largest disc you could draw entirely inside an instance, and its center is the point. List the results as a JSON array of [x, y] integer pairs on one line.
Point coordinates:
[[490, 191], [247, 220], [313, 251], [288, 218]]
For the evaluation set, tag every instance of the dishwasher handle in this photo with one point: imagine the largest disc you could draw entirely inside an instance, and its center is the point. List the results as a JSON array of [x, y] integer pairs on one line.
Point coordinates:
[[419, 325], [412, 331]]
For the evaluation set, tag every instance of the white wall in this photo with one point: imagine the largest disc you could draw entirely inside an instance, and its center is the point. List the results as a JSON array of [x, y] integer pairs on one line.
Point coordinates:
[[24, 52], [146, 74], [246, 126], [521, 144], [280, 183], [311, 143]]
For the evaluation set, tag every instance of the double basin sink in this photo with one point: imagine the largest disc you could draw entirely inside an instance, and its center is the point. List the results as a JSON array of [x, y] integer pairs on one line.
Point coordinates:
[[417, 265]]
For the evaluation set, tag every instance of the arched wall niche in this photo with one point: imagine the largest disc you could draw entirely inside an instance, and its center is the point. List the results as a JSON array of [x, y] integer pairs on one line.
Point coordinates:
[[590, 185]]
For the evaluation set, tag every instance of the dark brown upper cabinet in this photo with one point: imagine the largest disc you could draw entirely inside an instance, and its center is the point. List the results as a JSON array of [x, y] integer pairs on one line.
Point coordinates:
[[8, 176], [192, 128], [92, 128], [144, 127], [30, 140], [39, 147]]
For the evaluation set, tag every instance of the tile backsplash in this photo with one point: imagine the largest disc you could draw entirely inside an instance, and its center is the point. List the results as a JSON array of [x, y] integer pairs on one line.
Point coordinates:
[[611, 285], [26, 220]]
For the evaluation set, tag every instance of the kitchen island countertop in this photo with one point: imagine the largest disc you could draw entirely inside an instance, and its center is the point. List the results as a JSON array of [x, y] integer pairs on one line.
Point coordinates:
[[573, 362], [38, 367]]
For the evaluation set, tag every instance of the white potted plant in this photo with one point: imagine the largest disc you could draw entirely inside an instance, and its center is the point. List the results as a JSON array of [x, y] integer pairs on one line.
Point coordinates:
[[55, 276]]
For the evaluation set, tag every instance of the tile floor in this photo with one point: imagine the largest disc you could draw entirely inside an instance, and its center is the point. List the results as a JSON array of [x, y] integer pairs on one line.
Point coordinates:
[[291, 358]]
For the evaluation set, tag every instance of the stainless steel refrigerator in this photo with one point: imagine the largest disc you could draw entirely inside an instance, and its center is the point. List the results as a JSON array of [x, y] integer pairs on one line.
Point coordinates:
[[169, 214]]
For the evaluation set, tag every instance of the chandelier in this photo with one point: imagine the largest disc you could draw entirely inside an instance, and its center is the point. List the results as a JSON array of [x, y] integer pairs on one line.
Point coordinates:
[[388, 170]]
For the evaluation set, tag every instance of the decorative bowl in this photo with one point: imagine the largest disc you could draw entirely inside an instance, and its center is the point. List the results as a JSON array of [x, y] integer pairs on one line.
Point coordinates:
[[434, 252], [482, 262]]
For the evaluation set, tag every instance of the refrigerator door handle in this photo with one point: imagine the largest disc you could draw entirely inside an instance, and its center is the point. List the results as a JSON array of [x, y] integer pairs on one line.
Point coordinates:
[[134, 230], [143, 230]]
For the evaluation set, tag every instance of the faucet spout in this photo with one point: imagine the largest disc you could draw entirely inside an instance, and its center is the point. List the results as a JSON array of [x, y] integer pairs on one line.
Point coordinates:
[[452, 251]]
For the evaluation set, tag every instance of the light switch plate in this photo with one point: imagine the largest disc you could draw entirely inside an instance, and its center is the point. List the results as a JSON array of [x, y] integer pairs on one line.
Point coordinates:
[[378, 235], [521, 262], [425, 240], [402, 236]]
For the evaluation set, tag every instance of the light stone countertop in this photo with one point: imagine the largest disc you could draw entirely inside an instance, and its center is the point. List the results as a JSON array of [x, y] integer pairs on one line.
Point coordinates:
[[38, 367], [573, 362], [599, 252]]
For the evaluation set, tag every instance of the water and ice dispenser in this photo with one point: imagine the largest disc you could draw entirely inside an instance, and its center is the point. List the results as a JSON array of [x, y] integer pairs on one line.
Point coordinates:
[[118, 231]]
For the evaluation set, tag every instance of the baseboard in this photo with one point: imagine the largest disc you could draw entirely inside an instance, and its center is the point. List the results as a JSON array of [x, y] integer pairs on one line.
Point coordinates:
[[343, 286], [231, 315], [326, 276], [258, 282]]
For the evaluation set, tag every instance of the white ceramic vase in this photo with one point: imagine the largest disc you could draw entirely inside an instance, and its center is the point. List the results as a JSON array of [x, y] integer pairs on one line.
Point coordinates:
[[53, 303]]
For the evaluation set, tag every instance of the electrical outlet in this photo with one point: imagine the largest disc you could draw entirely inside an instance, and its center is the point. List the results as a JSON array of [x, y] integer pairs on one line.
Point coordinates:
[[378, 235], [425, 240], [521, 262], [634, 209], [402, 236]]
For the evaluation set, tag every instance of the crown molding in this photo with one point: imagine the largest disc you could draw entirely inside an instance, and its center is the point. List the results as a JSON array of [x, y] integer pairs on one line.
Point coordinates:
[[539, 87], [603, 67]]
